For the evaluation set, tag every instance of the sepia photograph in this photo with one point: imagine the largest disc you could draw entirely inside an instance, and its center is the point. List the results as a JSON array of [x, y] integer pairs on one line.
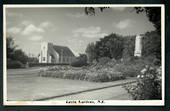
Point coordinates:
[[83, 55]]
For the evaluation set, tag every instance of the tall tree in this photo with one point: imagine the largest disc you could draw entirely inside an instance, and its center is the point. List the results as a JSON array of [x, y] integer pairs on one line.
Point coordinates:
[[90, 51], [14, 54], [21, 56], [11, 47], [152, 45], [110, 46]]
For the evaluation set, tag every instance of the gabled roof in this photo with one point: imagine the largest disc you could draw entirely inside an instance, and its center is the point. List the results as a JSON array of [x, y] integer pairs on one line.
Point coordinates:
[[63, 50]]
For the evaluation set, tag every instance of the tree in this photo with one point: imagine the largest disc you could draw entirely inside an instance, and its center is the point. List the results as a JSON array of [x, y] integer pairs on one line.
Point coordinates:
[[153, 14], [152, 45], [90, 51], [14, 54], [21, 56], [129, 47], [92, 10], [110, 46], [32, 60], [11, 47]]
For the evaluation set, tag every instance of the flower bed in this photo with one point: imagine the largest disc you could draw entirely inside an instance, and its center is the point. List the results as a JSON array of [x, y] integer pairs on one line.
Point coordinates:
[[82, 74]]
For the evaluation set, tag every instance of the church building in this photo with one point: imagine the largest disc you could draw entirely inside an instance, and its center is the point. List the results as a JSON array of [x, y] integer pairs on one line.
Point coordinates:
[[55, 54]]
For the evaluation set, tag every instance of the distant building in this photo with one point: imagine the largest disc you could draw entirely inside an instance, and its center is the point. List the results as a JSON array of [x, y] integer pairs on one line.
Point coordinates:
[[138, 46], [55, 54]]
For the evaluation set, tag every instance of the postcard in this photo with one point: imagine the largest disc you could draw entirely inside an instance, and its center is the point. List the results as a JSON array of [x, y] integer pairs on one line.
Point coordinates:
[[84, 55]]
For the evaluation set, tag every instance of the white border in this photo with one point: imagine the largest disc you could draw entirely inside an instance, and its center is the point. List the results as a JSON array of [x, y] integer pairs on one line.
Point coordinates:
[[107, 102]]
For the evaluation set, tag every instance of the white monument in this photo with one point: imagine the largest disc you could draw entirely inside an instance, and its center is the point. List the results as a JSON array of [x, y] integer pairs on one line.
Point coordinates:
[[138, 46]]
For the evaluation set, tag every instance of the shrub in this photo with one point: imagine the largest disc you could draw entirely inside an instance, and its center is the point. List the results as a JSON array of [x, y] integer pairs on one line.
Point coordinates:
[[80, 61], [129, 70], [46, 64], [148, 85], [14, 64], [103, 60], [132, 67], [106, 76]]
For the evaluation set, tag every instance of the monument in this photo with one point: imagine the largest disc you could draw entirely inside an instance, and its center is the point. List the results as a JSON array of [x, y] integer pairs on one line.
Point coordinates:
[[138, 46]]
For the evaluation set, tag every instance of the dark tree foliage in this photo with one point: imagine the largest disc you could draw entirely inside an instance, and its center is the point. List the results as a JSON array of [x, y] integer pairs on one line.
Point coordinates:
[[110, 46], [153, 14], [129, 47], [16, 55], [82, 57], [20, 56], [92, 10], [117, 47], [32, 60], [11, 47], [152, 45]]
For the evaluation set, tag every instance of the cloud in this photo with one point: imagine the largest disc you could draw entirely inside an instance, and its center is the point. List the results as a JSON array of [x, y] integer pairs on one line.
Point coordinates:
[[25, 23], [89, 32], [76, 15], [123, 24], [45, 24], [118, 8], [32, 29], [29, 28], [14, 30], [36, 38]]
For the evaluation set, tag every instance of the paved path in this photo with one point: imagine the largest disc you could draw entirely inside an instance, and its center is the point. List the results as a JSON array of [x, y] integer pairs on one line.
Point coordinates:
[[111, 93], [28, 86]]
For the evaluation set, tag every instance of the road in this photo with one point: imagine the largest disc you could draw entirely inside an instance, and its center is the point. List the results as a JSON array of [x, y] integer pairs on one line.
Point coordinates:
[[24, 84]]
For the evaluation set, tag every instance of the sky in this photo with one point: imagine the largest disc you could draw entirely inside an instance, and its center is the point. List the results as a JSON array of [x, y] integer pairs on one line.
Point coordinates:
[[70, 26]]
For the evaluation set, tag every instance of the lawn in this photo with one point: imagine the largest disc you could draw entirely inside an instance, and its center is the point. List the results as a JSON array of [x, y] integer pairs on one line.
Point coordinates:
[[31, 87]]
